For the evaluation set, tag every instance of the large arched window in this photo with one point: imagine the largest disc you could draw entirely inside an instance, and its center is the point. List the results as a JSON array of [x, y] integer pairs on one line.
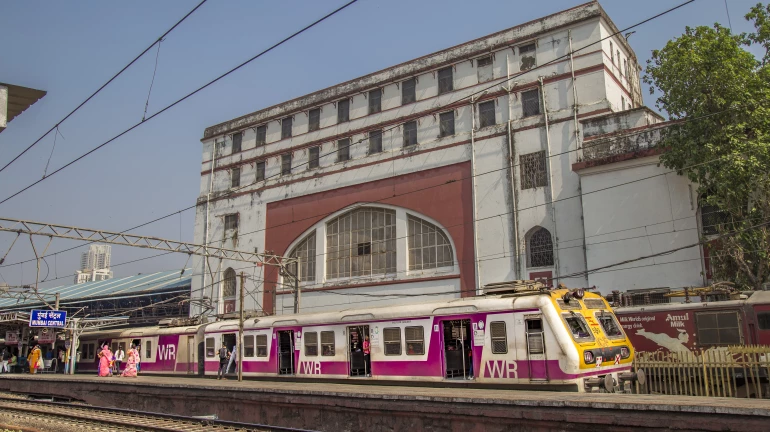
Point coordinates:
[[428, 246], [305, 251], [228, 286], [539, 248], [361, 242]]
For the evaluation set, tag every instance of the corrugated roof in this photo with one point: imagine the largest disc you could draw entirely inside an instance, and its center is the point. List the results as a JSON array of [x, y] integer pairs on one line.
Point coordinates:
[[20, 98], [132, 285]]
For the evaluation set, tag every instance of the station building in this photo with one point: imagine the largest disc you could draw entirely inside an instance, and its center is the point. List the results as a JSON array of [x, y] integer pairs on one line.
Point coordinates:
[[525, 154]]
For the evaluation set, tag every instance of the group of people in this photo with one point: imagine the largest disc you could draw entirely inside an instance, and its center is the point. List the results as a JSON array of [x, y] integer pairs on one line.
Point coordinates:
[[109, 362], [8, 360]]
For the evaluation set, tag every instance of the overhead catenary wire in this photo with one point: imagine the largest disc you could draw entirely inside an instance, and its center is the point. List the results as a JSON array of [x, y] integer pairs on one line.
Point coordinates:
[[102, 87]]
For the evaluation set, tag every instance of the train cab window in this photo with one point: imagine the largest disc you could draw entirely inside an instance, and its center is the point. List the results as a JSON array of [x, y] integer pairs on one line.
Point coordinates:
[[392, 338], [499, 339], [718, 328], [578, 327], [210, 350], [574, 304], [248, 346], [594, 303], [415, 341], [311, 344], [609, 325], [261, 345], [148, 349], [327, 343], [763, 320]]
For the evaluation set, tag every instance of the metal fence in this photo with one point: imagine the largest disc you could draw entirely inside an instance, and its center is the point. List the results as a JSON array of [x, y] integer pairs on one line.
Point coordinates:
[[736, 371]]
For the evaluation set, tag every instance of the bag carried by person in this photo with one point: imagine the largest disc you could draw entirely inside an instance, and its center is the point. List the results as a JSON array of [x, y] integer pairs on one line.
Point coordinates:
[[40, 364]]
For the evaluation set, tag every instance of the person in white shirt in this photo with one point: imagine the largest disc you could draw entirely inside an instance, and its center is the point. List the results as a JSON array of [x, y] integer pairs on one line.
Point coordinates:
[[233, 358], [119, 356]]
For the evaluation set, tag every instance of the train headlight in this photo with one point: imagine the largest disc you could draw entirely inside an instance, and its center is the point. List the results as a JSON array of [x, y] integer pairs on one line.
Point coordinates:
[[625, 352], [588, 357]]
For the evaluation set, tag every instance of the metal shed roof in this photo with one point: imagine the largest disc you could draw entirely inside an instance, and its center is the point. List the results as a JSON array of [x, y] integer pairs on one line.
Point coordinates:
[[127, 286]]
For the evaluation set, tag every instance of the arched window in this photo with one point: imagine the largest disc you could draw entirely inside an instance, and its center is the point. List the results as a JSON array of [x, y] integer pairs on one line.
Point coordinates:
[[361, 242], [540, 248], [305, 251], [428, 246], [228, 288]]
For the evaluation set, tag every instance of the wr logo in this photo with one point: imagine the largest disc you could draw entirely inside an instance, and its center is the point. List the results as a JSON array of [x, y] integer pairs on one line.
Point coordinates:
[[167, 352], [501, 369], [310, 367]]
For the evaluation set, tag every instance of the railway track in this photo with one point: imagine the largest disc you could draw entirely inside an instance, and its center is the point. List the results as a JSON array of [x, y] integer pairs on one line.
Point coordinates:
[[59, 416]]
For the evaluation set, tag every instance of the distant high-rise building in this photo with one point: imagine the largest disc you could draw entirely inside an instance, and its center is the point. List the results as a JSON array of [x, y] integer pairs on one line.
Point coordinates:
[[94, 264]]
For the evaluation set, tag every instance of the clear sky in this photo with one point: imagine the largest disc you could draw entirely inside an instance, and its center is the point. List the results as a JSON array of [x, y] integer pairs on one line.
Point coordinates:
[[71, 48]]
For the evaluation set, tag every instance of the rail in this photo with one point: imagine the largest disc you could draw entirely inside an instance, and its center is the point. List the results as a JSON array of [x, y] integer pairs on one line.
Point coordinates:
[[734, 371]]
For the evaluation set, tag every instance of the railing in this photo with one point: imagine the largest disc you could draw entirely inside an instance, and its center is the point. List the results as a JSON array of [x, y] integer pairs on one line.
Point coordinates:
[[736, 371], [620, 144]]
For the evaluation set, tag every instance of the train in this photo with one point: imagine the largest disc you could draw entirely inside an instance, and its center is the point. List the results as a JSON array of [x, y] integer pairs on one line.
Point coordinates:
[[522, 335]]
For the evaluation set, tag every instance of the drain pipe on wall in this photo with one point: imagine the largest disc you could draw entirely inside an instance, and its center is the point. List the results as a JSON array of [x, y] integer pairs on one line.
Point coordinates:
[[206, 225], [550, 179], [473, 192], [575, 108], [514, 189]]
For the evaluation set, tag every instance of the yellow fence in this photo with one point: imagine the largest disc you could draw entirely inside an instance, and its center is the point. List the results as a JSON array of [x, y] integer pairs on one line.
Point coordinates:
[[735, 371]]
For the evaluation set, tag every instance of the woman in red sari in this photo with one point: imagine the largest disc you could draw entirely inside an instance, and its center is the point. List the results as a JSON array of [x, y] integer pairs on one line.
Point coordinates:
[[105, 359], [130, 370]]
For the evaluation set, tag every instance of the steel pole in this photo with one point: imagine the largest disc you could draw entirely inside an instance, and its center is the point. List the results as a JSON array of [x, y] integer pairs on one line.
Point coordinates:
[[240, 328]]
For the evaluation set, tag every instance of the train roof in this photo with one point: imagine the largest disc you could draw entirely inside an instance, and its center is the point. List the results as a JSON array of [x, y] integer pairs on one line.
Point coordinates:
[[757, 297]]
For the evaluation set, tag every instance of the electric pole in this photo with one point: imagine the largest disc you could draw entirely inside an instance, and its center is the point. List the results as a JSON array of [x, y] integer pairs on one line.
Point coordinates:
[[240, 328]]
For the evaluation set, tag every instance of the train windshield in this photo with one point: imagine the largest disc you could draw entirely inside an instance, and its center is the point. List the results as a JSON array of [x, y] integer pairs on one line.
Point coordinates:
[[609, 325], [578, 328]]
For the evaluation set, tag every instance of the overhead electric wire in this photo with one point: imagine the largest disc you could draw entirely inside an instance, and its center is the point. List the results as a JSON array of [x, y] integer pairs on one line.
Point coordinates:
[[56, 126]]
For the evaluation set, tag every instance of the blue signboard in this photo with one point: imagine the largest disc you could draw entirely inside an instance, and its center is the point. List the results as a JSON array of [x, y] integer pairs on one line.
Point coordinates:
[[47, 318]]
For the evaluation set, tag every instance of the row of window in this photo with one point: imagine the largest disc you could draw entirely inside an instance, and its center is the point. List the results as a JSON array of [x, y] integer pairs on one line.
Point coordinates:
[[253, 346], [484, 66]]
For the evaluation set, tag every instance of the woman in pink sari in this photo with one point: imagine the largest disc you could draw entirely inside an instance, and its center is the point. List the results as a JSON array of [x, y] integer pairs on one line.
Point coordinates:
[[105, 359], [130, 370]]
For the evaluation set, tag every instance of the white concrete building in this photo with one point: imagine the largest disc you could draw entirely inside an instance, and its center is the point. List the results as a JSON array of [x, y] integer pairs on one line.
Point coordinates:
[[95, 264], [443, 174]]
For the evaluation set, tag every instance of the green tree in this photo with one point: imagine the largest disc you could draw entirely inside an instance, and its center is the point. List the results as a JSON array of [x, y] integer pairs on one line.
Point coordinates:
[[719, 92]]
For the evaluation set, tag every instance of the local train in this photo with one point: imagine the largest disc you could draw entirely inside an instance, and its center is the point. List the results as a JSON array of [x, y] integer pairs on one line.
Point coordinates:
[[524, 337]]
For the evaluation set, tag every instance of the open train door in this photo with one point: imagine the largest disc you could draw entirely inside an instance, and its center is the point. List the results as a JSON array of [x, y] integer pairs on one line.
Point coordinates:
[[360, 364], [538, 371], [457, 342], [286, 352]]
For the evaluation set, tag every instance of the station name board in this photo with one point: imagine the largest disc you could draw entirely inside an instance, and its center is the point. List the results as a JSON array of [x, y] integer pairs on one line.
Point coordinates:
[[47, 318]]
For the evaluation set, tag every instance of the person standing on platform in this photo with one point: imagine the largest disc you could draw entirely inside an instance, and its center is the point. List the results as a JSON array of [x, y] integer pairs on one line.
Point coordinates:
[[105, 358], [119, 356], [224, 355], [233, 358], [33, 358], [138, 358], [367, 357], [130, 370], [4, 357]]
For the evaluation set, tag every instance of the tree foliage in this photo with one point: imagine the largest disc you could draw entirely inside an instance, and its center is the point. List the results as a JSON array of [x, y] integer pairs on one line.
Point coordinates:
[[718, 95]]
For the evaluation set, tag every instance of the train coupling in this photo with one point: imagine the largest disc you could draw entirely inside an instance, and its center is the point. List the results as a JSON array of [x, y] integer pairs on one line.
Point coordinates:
[[619, 383]]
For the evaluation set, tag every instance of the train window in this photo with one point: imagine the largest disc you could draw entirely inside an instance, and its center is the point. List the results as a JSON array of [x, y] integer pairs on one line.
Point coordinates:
[[91, 351], [261, 345], [578, 327], [311, 343], [327, 343], [415, 341], [574, 304], [148, 349], [609, 325], [594, 303], [210, 350], [763, 319], [718, 328], [535, 343], [248, 346], [499, 339], [392, 338]]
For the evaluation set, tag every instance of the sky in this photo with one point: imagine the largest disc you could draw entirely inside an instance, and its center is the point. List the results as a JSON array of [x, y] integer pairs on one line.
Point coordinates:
[[69, 49]]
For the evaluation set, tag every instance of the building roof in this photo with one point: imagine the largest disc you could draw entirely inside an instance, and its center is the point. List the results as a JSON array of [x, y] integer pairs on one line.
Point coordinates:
[[142, 284], [20, 98]]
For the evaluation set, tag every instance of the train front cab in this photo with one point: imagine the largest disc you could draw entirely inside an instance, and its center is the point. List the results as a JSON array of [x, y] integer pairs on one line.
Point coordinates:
[[605, 354]]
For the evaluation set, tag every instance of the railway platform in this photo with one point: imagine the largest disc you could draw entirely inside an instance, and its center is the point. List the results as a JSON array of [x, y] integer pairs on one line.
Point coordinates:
[[355, 407]]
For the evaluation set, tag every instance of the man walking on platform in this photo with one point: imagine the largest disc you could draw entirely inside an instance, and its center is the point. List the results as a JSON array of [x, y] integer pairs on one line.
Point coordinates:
[[119, 356], [224, 355]]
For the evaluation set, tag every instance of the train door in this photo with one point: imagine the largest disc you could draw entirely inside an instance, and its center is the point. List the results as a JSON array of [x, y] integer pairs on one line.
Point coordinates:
[[456, 338], [536, 348], [360, 361], [192, 364], [286, 352]]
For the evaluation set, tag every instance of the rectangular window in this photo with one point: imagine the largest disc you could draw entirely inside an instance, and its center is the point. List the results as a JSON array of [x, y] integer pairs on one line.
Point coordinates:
[[623, 103], [327, 343], [343, 111], [763, 320], [487, 114], [248, 346], [311, 344], [446, 124], [408, 91], [484, 69], [535, 342], [260, 170], [410, 133], [718, 328], [609, 325], [361, 242], [314, 120], [375, 142], [625, 68], [91, 351], [231, 222], [286, 164], [220, 148], [314, 157], [235, 177], [343, 150], [148, 349], [530, 102], [415, 340], [499, 338], [445, 80], [578, 327], [375, 101], [527, 56], [261, 135], [237, 139], [533, 170], [286, 125], [612, 54], [392, 339], [261, 345]]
